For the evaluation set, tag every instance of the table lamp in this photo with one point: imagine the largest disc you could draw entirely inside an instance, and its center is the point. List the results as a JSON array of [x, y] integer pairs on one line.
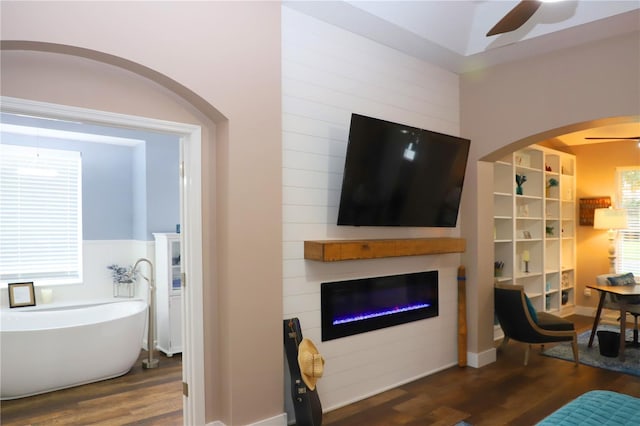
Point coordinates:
[[610, 219]]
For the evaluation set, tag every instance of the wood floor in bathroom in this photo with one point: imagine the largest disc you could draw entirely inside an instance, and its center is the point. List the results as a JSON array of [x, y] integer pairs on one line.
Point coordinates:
[[503, 393], [140, 397]]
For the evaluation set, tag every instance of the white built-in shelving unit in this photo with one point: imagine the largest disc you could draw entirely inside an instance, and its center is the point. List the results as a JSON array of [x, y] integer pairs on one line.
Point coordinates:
[[539, 224]]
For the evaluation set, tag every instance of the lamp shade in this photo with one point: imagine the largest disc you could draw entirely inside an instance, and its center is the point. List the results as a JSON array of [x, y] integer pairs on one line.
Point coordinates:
[[610, 219]]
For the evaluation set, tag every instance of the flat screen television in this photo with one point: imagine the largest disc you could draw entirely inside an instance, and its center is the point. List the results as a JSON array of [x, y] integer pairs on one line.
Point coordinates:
[[397, 175]]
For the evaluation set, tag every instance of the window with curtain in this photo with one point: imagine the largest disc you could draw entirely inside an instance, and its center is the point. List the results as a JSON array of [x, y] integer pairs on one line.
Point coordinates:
[[40, 215], [628, 246]]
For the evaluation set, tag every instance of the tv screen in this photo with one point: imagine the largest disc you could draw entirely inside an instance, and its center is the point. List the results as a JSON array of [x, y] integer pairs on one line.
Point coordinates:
[[397, 175]]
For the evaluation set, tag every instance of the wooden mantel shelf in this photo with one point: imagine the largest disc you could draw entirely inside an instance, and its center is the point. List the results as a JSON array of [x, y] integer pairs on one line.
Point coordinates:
[[335, 250]]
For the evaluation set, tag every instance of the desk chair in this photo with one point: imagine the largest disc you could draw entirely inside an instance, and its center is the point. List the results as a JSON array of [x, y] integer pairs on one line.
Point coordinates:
[[612, 301]]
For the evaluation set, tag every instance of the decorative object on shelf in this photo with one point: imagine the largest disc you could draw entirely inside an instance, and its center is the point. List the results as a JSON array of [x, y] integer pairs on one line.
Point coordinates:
[[123, 280], [520, 179], [565, 296], [589, 205], [498, 268], [523, 210], [21, 294], [549, 231], [526, 257], [548, 286], [550, 184], [565, 280], [547, 168], [547, 302], [46, 295], [612, 220], [523, 160], [526, 235]]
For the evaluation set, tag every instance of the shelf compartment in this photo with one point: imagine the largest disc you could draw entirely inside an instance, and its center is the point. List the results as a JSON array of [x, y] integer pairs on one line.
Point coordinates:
[[503, 229], [502, 205], [528, 207]]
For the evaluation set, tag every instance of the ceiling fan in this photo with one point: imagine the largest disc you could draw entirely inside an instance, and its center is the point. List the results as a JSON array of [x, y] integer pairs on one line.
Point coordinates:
[[516, 17], [614, 138]]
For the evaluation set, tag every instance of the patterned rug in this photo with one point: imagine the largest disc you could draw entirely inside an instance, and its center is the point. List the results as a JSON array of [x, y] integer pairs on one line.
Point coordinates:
[[591, 356]]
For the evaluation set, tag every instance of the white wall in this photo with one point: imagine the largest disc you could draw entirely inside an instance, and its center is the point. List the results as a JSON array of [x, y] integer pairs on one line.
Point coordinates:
[[215, 65], [328, 74], [96, 280], [513, 105]]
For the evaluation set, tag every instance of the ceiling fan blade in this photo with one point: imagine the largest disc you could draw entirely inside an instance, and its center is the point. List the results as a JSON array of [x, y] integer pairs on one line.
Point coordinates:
[[516, 17], [614, 138]]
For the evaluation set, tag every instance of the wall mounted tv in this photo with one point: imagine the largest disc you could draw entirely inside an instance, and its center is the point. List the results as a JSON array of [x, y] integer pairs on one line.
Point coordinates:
[[397, 175]]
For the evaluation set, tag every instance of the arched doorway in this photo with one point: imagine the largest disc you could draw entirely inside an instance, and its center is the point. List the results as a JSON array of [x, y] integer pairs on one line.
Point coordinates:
[[191, 136], [552, 138]]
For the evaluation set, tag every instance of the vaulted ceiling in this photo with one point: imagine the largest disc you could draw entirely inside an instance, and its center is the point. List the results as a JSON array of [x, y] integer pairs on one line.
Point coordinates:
[[452, 34]]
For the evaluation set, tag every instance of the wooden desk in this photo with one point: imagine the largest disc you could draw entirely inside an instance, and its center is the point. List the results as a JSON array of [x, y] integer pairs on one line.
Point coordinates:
[[620, 290]]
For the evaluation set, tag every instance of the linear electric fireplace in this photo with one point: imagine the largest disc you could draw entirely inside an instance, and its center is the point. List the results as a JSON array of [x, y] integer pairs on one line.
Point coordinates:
[[357, 306]]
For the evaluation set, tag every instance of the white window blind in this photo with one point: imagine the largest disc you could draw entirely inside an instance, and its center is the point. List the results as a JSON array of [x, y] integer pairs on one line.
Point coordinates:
[[628, 246], [40, 215]]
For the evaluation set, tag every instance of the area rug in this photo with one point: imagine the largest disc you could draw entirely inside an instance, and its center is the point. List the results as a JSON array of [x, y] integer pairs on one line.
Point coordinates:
[[591, 356]]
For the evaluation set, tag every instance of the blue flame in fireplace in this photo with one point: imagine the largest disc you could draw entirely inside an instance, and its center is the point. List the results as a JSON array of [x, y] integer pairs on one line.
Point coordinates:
[[370, 315]]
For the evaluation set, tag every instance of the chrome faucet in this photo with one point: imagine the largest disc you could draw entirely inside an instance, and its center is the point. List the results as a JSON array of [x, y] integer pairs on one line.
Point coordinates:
[[151, 361]]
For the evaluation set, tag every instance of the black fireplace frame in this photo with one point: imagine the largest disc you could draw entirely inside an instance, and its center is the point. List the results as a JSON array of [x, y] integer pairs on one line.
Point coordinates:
[[421, 287]]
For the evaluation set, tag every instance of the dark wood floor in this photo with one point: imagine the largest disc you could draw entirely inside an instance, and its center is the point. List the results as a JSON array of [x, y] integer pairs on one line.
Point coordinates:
[[503, 393], [140, 397]]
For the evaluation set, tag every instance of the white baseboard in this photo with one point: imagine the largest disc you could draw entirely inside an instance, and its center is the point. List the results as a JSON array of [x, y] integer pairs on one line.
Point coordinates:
[[607, 316], [279, 420], [586, 311], [481, 359]]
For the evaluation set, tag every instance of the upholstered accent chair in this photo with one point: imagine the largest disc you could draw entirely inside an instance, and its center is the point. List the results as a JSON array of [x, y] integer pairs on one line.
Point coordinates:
[[522, 323], [612, 301]]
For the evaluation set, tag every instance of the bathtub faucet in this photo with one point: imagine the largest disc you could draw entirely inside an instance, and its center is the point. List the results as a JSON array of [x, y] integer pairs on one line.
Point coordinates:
[[143, 260], [151, 361]]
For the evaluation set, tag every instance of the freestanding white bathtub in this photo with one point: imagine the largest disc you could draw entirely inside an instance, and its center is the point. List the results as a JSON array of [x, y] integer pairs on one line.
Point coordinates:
[[51, 349]]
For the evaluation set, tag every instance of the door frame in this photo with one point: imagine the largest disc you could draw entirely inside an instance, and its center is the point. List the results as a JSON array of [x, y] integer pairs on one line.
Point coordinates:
[[191, 228]]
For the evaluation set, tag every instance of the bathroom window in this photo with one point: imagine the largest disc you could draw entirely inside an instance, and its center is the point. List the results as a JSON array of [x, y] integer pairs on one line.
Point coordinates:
[[628, 247], [40, 215]]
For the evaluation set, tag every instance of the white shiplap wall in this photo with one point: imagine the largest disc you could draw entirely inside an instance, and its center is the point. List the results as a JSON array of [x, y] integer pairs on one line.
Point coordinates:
[[329, 73]]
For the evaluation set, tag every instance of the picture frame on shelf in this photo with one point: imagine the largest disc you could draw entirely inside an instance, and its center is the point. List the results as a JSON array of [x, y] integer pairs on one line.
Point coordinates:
[[526, 235], [21, 295]]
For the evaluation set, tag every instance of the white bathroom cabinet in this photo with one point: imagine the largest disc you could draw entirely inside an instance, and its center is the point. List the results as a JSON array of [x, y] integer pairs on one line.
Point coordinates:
[[168, 293]]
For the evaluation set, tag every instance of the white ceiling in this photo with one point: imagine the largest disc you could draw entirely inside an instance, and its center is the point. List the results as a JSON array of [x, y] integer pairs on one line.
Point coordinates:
[[452, 34]]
